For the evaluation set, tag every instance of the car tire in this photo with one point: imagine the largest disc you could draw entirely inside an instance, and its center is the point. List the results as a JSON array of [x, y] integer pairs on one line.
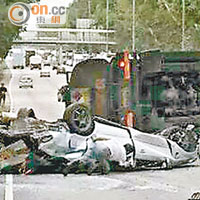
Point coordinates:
[[79, 119]]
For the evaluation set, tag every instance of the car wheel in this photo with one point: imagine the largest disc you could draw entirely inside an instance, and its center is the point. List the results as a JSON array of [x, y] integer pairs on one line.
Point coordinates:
[[79, 119]]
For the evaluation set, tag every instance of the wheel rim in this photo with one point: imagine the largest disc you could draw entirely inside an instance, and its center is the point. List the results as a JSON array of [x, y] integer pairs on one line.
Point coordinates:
[[81, 118]]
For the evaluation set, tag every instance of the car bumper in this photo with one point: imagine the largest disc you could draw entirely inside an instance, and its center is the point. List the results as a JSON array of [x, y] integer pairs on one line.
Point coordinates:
[[45, 74], [25, 85]]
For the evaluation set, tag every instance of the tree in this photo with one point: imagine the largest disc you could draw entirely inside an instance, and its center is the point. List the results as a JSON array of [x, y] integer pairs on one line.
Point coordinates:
[[158, 22], [8, 31]]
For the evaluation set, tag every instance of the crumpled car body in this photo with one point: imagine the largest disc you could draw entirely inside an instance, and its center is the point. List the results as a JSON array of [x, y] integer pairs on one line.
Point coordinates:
[[160, 150], [55, 147], [120, 147]]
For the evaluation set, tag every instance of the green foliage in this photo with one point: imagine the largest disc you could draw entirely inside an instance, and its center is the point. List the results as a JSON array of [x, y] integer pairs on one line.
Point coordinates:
[[158, 22], [8, 31]]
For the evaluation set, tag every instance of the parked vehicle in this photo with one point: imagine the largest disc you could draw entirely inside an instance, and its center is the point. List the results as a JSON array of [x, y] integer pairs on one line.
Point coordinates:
[[17, 58], [45, 72], [60, 70], [25, 81], [18, 61], [46, 63], [35, 62]]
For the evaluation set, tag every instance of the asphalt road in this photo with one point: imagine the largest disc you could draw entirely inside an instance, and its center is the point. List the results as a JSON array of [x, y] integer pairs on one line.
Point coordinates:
[[174, 184], [179, 183], [42, 97]]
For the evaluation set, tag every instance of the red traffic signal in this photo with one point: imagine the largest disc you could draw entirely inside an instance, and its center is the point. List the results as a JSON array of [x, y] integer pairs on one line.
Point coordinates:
[[124, 64], [121, 64], [127, 68]]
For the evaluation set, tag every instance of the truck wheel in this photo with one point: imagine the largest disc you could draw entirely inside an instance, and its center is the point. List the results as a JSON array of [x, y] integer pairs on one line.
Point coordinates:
[[79, 119]]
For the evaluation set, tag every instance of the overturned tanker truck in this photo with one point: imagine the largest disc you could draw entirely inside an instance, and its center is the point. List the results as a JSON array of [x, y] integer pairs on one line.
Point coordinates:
[[150, 90]]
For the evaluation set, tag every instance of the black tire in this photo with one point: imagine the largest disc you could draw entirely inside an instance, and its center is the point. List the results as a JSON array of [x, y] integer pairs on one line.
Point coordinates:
[[31, 113], [79, 119]]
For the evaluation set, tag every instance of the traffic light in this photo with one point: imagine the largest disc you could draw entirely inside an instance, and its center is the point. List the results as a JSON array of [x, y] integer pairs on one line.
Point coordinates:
[[127, 73], [124, 64], [121, 64]]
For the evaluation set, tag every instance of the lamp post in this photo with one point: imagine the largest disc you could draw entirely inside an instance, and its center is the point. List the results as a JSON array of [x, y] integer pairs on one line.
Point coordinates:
[[183, 25], [133, 27], [89, 9], [107, 9]]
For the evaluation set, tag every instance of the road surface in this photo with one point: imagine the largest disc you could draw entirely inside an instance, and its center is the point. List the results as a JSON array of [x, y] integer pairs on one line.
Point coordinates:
[[140, 185], [179, 183], [42, 97]]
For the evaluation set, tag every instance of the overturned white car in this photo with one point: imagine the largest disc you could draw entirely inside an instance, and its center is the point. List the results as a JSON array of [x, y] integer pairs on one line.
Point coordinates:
[[82, 143], [95, 144]]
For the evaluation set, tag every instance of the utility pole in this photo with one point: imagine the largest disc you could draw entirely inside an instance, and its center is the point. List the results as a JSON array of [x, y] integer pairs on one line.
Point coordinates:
[[183, 26], [89, 8], [107, 9], [133, 28]]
